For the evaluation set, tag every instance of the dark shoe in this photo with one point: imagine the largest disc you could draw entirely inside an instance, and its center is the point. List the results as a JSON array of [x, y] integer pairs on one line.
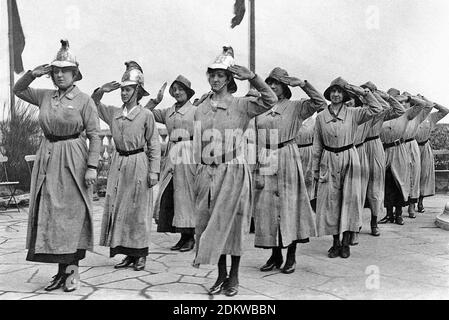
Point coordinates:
[[354, 239], [139, 265], [272, 263], [188, 245], [421, 208], [217, 287], [387, 219], [399, 220], [374, 228], [345, 252], [334, 251], [230, 290], [375, 231], [56, 283], [125, 262], [178, 245], [289, 267], [412, 215]]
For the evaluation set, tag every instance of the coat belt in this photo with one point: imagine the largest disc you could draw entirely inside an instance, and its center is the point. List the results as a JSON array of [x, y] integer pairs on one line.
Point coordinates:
[[305, 145], [338, 150], [53, 138], [124, 153], [394, 143], [279, 145]]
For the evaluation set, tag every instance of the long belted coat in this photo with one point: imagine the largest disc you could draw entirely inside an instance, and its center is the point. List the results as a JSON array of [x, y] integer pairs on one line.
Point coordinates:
[[64, 212], [413, 150], [282, 205], [223, 188], [397, 158], [359, 139], [427, 176], [304, 140], [128, 205], [338, 174], [178, 167], [376, 155]]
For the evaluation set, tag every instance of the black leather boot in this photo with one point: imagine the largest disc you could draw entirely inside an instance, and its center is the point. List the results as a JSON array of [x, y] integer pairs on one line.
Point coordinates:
[[334, 251], [420, 205], [374, 228], [398, 216], [345, 251], [389, 218], [179, 244], [411, 211], [56, 283], [125, 262], [275, 261], [188, 245], [290, 264], [139, 263]]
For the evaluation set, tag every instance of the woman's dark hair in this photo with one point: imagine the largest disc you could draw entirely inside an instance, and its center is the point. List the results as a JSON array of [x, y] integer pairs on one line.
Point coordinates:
[[232, 86], [139, 94], [185, 88], [285, 89]]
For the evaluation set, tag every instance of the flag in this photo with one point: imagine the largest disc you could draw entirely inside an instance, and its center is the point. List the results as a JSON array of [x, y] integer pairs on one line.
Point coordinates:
[[239, 13], [18, 38]]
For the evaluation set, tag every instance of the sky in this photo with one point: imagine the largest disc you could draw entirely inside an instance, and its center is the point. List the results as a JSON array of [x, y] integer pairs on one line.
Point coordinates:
[[393, 43]]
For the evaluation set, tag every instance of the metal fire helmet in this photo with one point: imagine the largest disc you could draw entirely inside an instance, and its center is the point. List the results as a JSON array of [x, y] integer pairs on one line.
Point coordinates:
[[65, 58], [134, 76], [224, 60]]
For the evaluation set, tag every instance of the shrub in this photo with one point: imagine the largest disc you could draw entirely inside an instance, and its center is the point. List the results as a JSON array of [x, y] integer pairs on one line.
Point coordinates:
[[20, 136], [439, 138]]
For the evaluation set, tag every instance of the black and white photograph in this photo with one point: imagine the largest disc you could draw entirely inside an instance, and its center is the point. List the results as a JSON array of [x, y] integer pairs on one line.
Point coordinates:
[[205, 152]]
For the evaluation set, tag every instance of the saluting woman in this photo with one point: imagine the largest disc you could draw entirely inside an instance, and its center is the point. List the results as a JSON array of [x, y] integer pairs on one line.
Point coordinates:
[[427, 176], [127, 215], [223, 179], [60, 225], [283, 214], [174, 208], [336, 165], [397, 168]]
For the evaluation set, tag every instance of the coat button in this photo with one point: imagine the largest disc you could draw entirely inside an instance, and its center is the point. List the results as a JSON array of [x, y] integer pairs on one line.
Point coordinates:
[[276, 193]]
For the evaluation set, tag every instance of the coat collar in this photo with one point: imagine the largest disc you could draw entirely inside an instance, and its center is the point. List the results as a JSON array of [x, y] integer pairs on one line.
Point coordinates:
[[71, 94], [328, 116], [279, 108], [130, 115], [183, 110], [208, 105]]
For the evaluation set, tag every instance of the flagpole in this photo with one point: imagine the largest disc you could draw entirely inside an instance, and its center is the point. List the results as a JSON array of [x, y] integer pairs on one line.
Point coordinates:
[[252, 36], [11, 58]]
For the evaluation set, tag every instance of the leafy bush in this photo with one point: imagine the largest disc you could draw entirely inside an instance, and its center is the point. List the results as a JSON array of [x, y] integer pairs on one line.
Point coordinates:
[[20, 136], [439, 138]]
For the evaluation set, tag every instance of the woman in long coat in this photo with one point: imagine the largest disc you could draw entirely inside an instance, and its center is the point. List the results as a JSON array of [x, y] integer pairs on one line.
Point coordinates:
[[126, 222], [223, 179], [376, 155], [60, 225], [174, 208], [336, 165], [283, 215], [359, 139], [415, 157], [397, 158], [427, 176], [372, 156]]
